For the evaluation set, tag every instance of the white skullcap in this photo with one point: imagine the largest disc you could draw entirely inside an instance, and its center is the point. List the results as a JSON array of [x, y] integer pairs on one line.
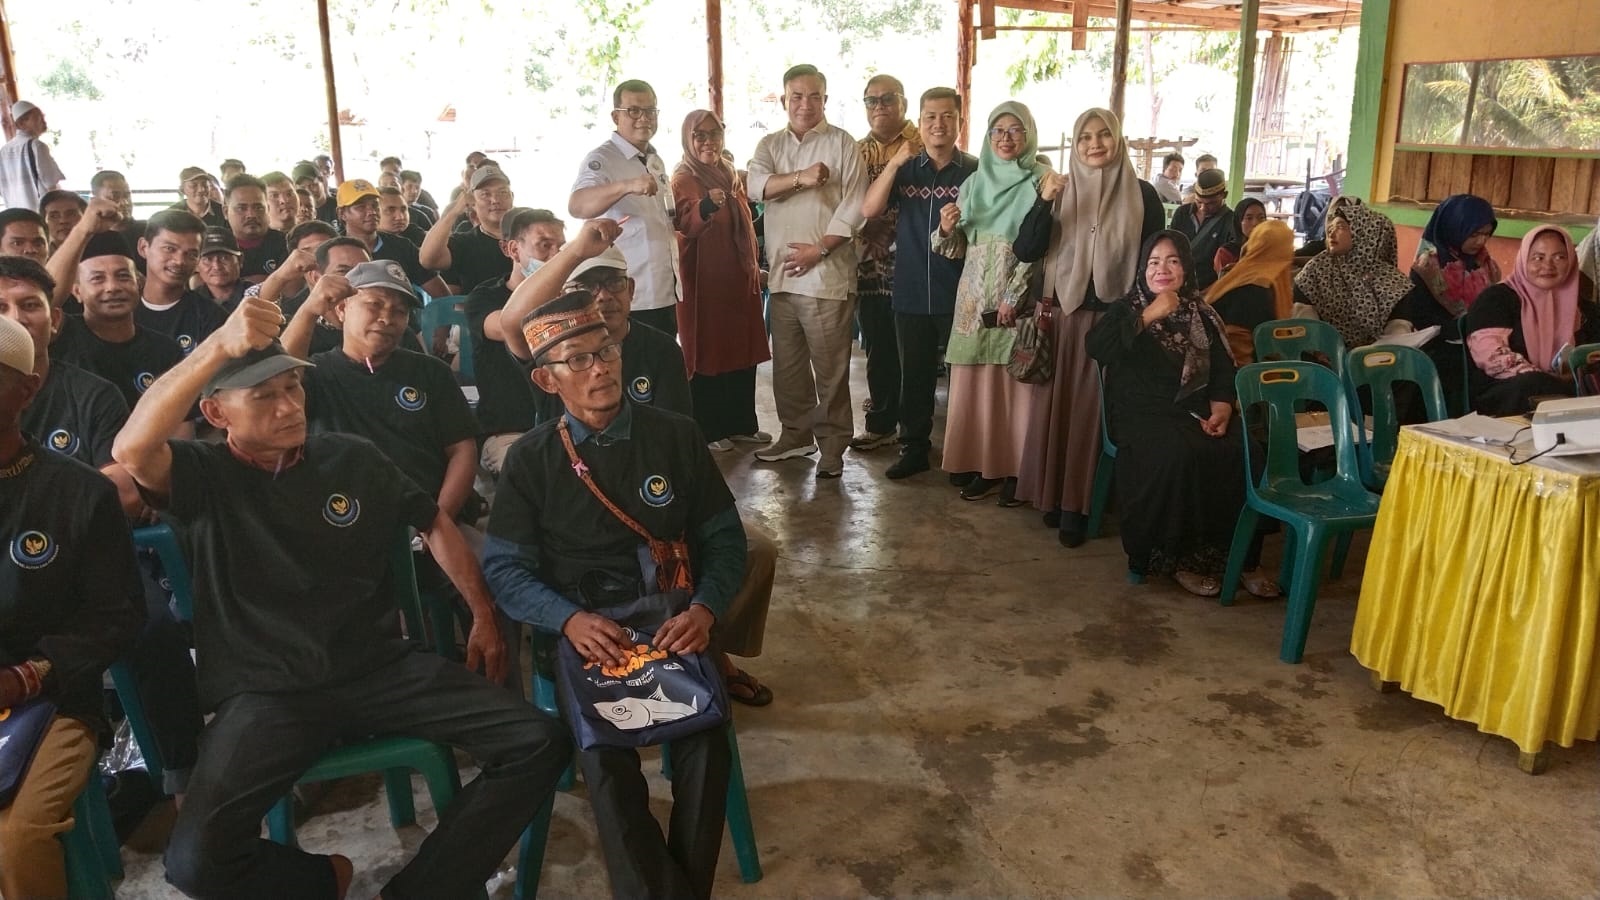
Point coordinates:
[[16, 346]]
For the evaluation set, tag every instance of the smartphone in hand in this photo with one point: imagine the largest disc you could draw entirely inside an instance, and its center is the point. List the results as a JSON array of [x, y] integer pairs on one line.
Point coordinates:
[[990, 319]]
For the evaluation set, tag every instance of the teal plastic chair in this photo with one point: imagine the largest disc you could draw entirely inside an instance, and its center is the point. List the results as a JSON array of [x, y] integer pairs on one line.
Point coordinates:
[[1290, 339], [161, 539], [164, 543], [445, 312], [1377, 369], [1314, 513], [1104, 473], [1584, 361], [530, 857], [93, 854]]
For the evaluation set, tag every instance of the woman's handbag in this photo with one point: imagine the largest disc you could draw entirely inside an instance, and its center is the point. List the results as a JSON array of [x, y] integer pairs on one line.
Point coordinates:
[[1033, 353], [22, 729], [654, 697]]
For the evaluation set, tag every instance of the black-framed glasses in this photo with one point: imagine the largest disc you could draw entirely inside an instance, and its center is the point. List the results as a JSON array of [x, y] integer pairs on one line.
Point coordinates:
[[1015, 132], [639, 112], [615, 284], [714, 134], [578, 362], [889, 99]]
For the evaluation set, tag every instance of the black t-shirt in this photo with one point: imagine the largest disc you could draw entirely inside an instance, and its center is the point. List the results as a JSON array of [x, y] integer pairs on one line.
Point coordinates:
[[131, 366], [229, 303], [505, 405], [1246, 306], [69, 587], [410, 407], [264, 257], [652, 375], [291, 586], [329, 210], [414, 233], [475, 258], [394, 248], [188, 322], [661, 474], [131, 232], [76, 414], [214, 217]]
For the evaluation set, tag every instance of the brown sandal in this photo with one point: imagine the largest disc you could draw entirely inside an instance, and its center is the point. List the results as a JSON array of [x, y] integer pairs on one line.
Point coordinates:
[[758, 693], [1260, 584], [1199, 585]]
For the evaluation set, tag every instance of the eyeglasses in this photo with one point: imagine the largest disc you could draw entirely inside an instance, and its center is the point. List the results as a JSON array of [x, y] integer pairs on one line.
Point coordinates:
[[614, 285], [889, 99], [578, 362], [1015, 132], [639, 112], [714, 134]]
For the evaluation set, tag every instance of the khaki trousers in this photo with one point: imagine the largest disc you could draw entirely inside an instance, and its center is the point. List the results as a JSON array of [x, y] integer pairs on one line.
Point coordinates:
[[741, 629], [811, 370], [32, 865]]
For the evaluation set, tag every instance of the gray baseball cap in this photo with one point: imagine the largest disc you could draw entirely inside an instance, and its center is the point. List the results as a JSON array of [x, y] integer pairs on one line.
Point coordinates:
[[253, 368], [383, 273]]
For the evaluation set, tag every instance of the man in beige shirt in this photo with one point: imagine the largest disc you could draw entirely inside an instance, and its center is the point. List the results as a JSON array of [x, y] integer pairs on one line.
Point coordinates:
[[811, 178]]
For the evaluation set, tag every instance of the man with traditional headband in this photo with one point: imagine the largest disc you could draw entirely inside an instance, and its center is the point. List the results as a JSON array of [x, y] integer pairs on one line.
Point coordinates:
[[1208, 223], [561, 559], [294, 628]]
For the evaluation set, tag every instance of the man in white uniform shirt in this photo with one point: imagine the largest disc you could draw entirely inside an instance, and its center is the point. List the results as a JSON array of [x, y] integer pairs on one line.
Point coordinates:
[[811, 178], [624, 179], [27, 170]]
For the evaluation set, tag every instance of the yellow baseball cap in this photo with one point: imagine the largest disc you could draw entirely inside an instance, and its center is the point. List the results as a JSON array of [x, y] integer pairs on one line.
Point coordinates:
[[351, 192]]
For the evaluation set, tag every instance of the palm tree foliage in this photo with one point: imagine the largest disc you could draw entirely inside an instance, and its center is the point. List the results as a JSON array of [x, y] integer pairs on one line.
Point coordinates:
[[1529, 104]]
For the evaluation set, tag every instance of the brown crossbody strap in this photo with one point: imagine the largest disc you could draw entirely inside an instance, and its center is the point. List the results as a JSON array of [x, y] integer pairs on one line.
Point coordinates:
[[671, 557]]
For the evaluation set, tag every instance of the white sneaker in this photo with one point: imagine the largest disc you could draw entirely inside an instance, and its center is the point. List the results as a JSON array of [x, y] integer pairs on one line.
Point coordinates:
[[872, 440], [754, 437], [782, 451], [722, 445]]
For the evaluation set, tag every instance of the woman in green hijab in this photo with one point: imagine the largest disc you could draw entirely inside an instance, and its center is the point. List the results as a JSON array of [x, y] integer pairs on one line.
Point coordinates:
[[987, 419]]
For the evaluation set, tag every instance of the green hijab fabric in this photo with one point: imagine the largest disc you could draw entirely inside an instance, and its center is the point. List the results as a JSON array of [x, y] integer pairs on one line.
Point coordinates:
[[997, 197]]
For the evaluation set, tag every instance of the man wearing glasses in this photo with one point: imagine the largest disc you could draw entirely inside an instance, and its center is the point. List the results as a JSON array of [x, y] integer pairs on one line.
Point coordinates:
[[885, 102], [625, 180]]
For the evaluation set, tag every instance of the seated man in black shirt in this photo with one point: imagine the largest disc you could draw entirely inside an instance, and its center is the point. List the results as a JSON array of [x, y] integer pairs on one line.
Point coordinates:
[[171, 249], [471, 257], [107, 340], [73, 605], [295, 635], [220, 269], [506, 408], [559, 559], [291, 281], [394, 217], [358, 210], [263, 247], [195, 185], [23, 233], [61, 210]]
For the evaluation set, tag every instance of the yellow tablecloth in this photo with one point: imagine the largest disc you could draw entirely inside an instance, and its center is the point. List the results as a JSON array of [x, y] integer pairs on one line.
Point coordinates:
[[1482, 591]]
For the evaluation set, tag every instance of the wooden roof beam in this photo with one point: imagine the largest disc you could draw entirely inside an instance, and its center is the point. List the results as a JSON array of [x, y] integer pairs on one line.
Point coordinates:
[[986, 19]]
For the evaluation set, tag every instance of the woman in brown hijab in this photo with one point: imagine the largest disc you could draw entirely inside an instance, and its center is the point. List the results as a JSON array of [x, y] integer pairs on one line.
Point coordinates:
[[1088, 226], [719, 321]]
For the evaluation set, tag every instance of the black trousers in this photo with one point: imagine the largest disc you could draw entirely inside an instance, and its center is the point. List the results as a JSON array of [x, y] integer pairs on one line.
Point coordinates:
[[725, 404], [258, 745], [164, 674], [664, 319], [639, 861], [920, 339], [876, 318]]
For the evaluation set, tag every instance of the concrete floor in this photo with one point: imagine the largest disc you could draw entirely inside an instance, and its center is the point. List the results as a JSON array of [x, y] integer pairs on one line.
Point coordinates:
[[966, 708]]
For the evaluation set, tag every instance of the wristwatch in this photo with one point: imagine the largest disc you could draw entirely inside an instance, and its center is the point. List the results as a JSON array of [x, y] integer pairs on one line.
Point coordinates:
[[823, 251]]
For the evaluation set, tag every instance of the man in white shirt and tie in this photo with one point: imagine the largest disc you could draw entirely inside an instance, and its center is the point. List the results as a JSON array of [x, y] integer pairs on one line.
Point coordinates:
[[811, 178], [624, 179]]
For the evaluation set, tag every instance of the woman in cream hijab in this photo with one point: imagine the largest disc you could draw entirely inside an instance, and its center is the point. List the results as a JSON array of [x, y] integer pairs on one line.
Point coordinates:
[[1087, 226]]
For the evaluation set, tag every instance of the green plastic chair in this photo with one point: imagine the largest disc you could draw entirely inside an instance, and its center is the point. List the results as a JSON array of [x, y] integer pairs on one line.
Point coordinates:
[[445, 312], [1377, 369], [1290, 339], [1314, 513], [1584, 359], [92, 853], [530, 857], [163, 542]]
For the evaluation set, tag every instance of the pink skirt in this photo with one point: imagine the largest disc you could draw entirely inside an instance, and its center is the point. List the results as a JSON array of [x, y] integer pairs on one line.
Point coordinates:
[[1063, 438], [987, 420]]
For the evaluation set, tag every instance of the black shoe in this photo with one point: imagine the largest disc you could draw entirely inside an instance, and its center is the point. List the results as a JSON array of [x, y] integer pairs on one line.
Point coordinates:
[[979, 488], [1052, 519], [1074, 529], [962, 479], [907, 466], [1008, 494]]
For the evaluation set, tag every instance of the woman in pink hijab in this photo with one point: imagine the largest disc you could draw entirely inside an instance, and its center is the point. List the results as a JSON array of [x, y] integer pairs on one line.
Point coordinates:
[[1519, 331]]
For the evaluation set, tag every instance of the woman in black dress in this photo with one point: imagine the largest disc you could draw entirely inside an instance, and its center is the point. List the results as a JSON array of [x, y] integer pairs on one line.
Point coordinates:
[[1180, 448]]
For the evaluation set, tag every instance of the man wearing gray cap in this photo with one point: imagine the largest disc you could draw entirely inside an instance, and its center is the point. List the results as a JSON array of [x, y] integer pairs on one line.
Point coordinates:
[[470, 258], [291, 537], [194, 185], [27, 170]]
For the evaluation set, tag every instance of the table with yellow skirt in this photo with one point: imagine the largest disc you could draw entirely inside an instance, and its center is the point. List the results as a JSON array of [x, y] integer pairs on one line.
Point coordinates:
[[1482, 590]]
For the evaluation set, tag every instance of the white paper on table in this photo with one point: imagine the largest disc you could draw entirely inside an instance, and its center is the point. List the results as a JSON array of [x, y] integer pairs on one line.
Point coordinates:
[[1405, 338], [1315, 437], [1477, 428]]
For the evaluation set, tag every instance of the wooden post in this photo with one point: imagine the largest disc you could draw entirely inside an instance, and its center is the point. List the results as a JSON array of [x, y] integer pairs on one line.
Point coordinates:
[[714, 53], [1249, 18], [1080, 22], [336, 146], [1119, 57], [964, 48], [8, 78]]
